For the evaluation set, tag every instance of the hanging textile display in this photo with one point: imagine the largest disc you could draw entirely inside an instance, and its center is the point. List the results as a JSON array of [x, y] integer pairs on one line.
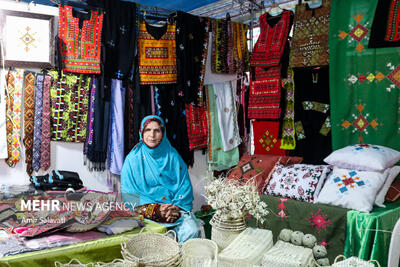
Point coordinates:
[[227, 115], [46, 127], [221, 48], [116, 135], [266, 138], [385, 31], [309, 45], [69, 106], [157, 55], [288, 141], [14, 115], [218, 159], [270, 45], [196, 122], [3, 120], [364, 83], [241, 56], [37, 133], [29, 115], [265, 94], [191, 45], [90, 121], [312, 115], [119, 38], [80, 40]]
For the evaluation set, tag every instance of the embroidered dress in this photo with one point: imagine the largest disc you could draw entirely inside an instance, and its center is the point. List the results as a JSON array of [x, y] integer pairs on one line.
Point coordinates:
[[271, 42], [80, 46], [157, 55], [385, 30], [196, 122], [364, 83], [309, 46], [69, 106]]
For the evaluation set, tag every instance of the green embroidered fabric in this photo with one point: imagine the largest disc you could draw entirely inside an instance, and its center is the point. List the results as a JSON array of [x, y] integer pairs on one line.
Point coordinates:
[[364, 83]]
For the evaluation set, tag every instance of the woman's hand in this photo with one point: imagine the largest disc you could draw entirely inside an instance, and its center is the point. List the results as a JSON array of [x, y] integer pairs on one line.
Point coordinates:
[[169, 212]]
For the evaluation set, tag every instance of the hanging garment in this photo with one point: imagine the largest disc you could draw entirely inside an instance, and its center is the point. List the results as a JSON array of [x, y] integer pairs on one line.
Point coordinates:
[[29, 115], [46, 127], [309, 45], [385, 31], [196, 122], [116, 136], [3, 120], [312, 115], [191, 45], [241, 56], [119, 38], [288, 140], [364, 83], [157, 54], [15, 84], [270, 45], [221, 48], [266, 138], [80, 40], [227, 115], [218, 159], [265, 94], [90, 121], [10, 88], [69, 106], [37, 134]]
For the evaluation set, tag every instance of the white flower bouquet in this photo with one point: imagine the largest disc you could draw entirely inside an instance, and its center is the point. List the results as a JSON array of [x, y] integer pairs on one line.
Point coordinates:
[[232, 200]]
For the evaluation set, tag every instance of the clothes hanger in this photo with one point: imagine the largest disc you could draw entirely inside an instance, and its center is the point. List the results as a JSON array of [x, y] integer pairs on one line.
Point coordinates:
[[78, 4], [275, 9]]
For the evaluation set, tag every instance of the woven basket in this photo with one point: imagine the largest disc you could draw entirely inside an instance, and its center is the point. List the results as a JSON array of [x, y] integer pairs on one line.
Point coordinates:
[[354, 261], [73, 263], [247, 249], [199, 252], [118, 263], [152, 249], [223, 232]]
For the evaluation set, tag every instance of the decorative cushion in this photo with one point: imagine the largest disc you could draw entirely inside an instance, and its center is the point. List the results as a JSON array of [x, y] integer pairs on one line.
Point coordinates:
[[259, 168], [394, 191], [298, 181], [364, 157], [380, 198], [352, 189]]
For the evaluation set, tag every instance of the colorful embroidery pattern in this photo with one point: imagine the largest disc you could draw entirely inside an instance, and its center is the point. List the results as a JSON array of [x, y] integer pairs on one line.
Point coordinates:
[[392, 30], [288, 140], [360, 122], [266, 138], [326, 127], [319, 221], [282, 208], [157, 58], [366, 146], [268, 141], [347, 182], [298, 127], [80, 47], [196, 122], [357, 33], [316, 106], [27, 39]]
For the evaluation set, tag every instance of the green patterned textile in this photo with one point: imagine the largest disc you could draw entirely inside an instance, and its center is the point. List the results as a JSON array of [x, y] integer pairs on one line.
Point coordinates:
[[369, 234], [364, 83], [327, 223]]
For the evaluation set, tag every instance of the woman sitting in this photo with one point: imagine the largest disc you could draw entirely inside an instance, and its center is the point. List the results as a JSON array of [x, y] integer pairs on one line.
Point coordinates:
[[155, 171]]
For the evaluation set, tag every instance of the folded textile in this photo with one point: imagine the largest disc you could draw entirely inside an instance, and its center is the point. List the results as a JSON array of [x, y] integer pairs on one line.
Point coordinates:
[[120, 226]]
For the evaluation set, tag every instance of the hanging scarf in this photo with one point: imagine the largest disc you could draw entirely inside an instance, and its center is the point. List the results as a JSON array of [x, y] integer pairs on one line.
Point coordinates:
[[10, 77], [46, 127], [220, 46], [288, 140], [29, 114], [241, 56], [90, 122], [158, 175], [37, 134]]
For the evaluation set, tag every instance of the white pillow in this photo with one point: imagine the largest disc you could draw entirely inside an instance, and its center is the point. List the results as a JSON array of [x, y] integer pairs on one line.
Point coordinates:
[[364, 157], [352, 189], [380, 198]]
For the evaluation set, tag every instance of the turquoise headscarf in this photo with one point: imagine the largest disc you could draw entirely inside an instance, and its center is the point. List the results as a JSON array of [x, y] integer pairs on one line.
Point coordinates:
[[158, 175]]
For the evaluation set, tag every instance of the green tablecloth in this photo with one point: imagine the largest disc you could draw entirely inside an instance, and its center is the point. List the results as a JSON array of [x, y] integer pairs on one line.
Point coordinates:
[[327, 223], [369, 233], [105, 250]]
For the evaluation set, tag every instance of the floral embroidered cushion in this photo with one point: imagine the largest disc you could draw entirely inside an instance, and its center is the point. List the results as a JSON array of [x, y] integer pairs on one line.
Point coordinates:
[[352, 189], [297, 181], [258, 168], [380, 198], [364, 157]]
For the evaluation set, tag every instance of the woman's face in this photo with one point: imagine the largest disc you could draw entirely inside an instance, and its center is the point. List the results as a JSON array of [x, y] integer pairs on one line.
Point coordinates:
[[152, 134]]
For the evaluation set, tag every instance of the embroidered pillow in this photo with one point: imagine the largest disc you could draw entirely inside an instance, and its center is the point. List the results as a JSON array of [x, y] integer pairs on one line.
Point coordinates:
[[380, 198], [352, 189], [298, 181], [394, 191], [364, 157], [258, 168]]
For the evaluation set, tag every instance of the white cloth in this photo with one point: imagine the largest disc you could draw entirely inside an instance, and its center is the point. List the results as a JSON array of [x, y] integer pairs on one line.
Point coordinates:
[[227, 115], [3, 129], [119, 226], [209, 76]]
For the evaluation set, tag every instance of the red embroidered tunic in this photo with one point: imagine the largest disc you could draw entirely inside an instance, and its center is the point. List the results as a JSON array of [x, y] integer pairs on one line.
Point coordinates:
[[80, 47], [271, 42]]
